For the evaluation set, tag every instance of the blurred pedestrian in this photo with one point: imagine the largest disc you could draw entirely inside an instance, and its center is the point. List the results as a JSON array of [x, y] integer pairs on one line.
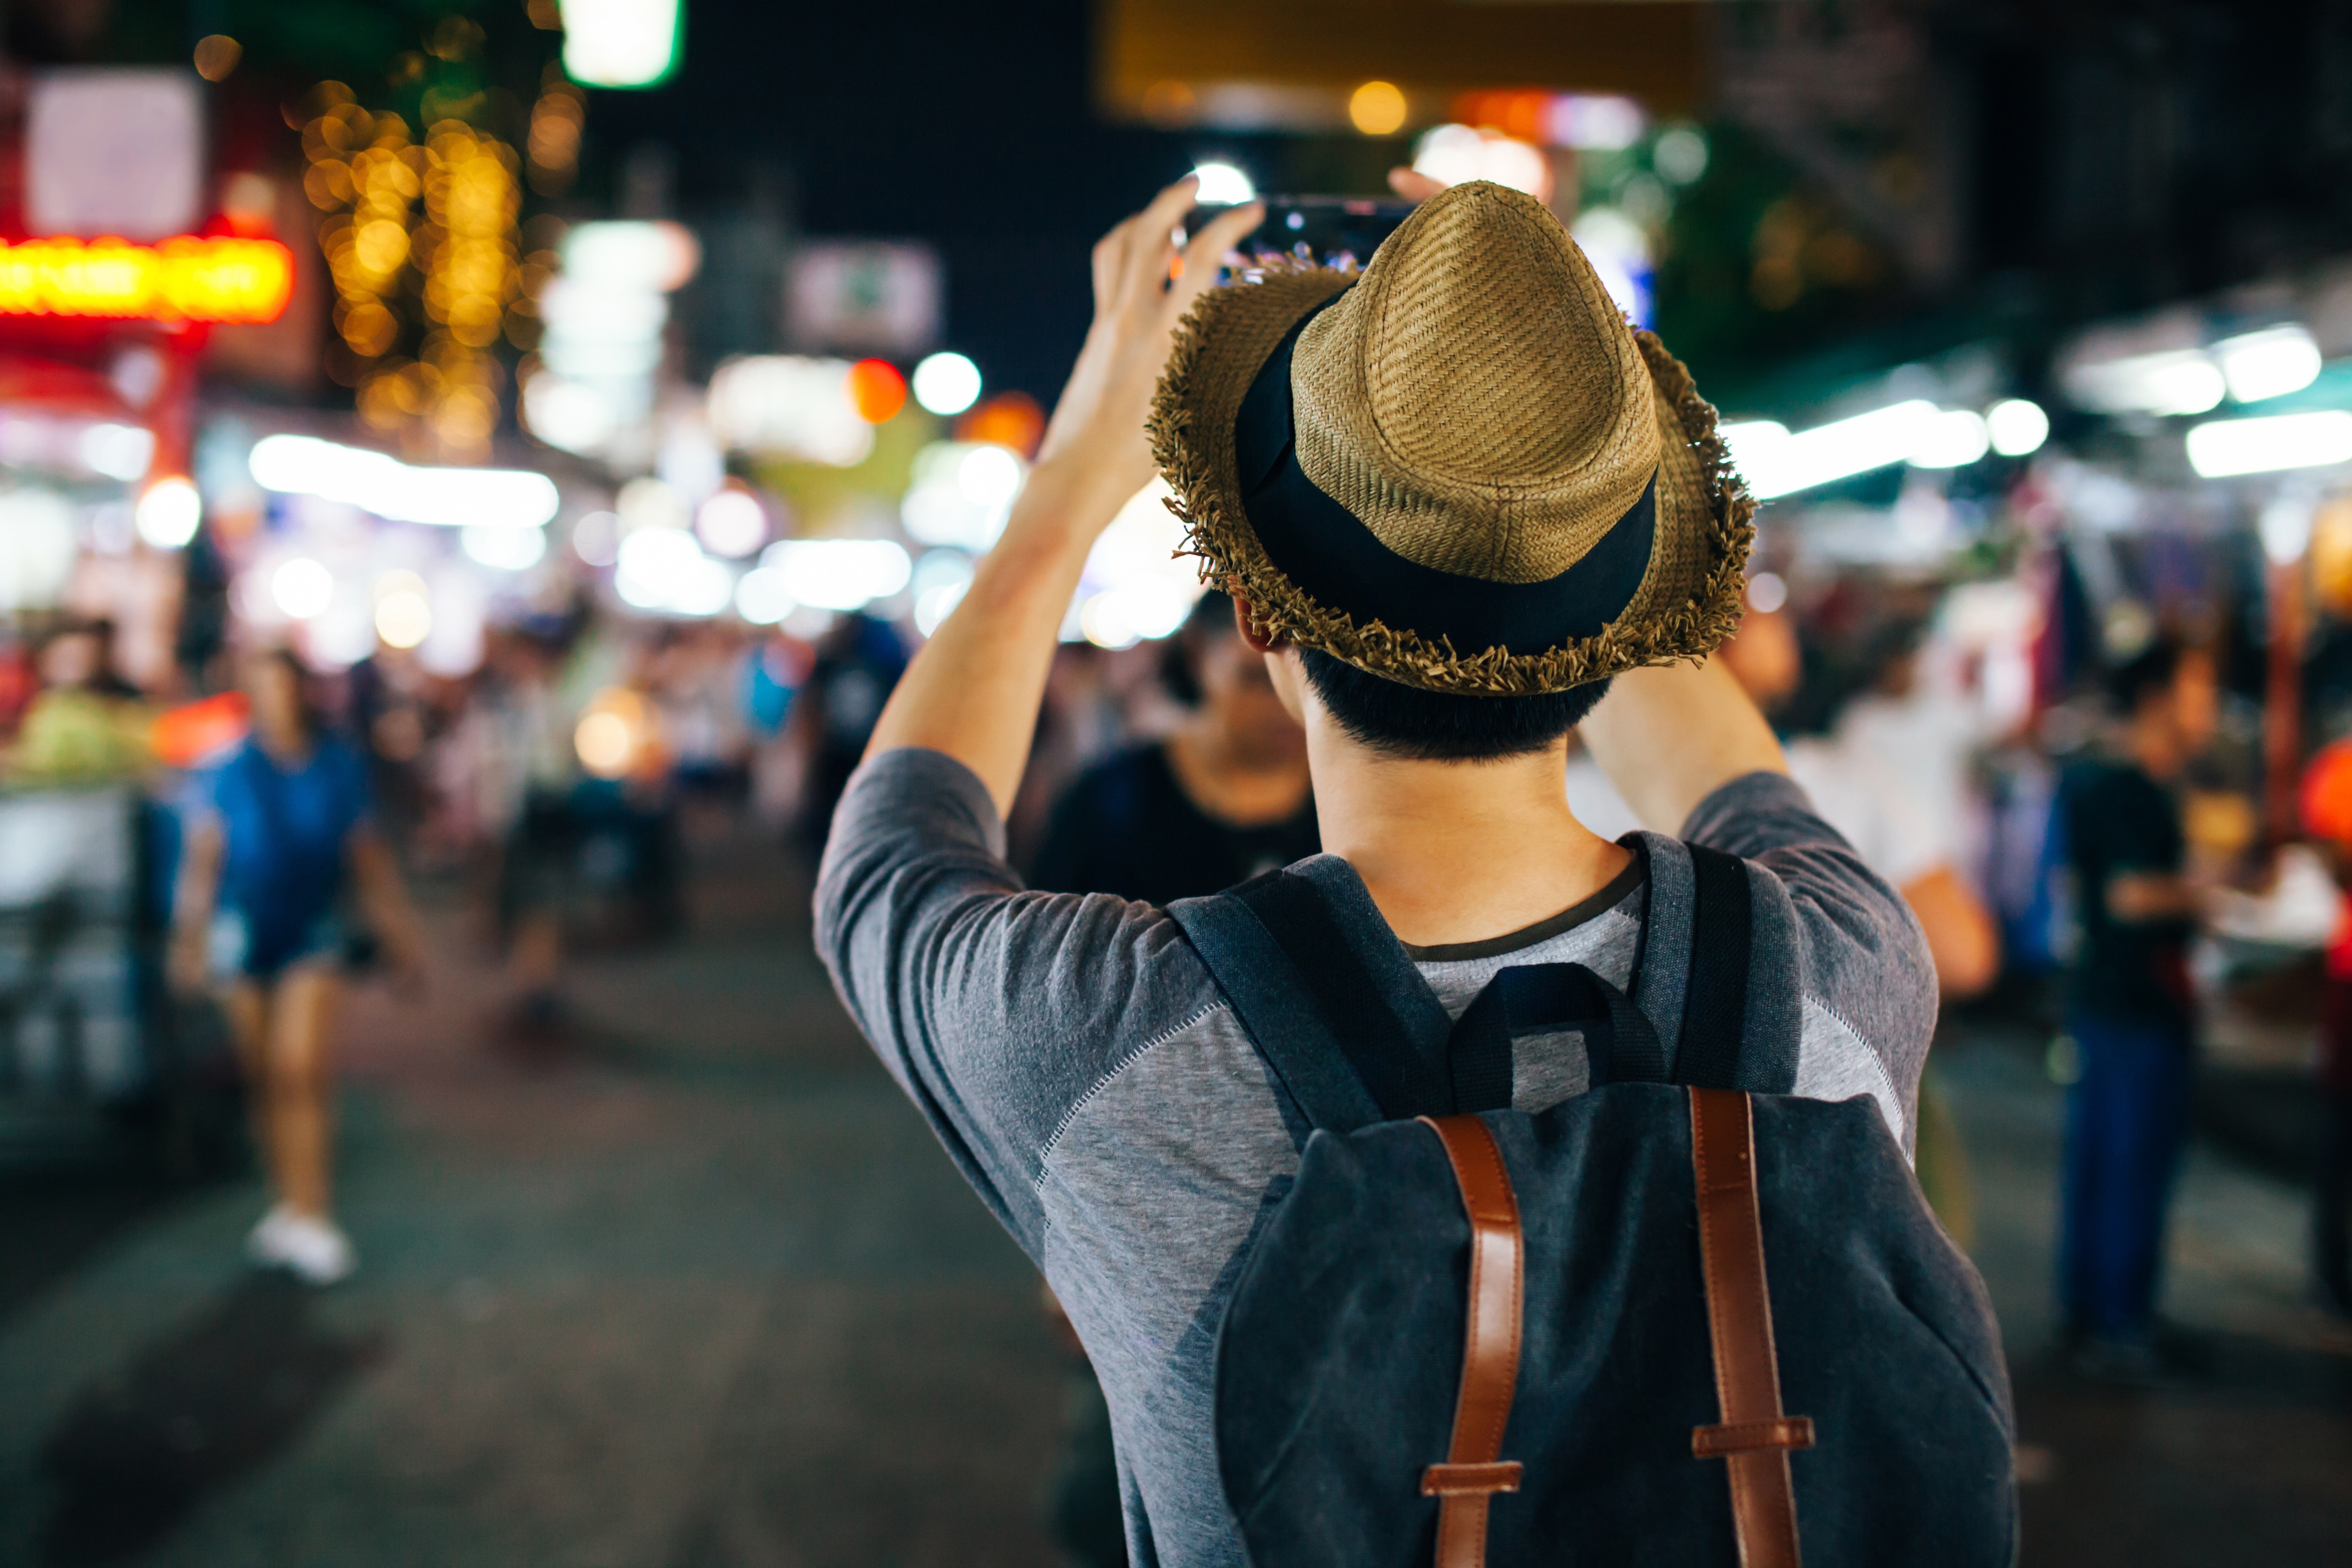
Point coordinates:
[[858, 663], [88, 724], [1221, 800], [2131, 1012], [282, 831]]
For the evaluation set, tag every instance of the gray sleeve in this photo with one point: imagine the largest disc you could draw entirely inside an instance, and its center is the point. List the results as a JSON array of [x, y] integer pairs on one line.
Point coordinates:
[[996, 1009], [1867, 984]]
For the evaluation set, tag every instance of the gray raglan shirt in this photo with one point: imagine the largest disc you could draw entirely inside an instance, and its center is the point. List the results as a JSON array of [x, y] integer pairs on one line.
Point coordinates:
[[1084, 1070]]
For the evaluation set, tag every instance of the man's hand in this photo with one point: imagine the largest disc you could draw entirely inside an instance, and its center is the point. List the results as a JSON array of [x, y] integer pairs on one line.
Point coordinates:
[[973, 692], [1100, 420]]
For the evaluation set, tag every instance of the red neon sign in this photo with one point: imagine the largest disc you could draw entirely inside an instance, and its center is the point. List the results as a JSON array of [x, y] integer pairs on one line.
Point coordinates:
[[183, 280]]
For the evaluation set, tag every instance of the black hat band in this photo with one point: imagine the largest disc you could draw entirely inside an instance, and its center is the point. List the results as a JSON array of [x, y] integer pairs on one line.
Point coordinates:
[[1329, 553]]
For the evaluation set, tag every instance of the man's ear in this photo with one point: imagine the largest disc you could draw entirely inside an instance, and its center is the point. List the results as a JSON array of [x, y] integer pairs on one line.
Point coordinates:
[[1248, 627]]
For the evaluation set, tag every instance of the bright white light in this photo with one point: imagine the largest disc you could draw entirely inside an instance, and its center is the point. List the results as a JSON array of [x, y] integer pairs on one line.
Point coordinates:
[[2176, 381], [1598, 123], [2184, 385], [2227, 446], [1766, 593], [961, 494], [36, 547], [762, 599], [937, 586], [118, 451], [2016, 426], [1776, 463], [1620, 254], [2268, 363], [567, 414], [1122, 617], [167, 515], [1454, 154], [504, 549], [402, 618], [1957, 437], [303, 588], [1135, 586], [989, 475], [1222, 184], [785, 406], [934, 606], [665, 568], [1680, 154], [946, 384], [619, 43], [731, 523], [2285, 528], [445, 498], [631, 254], [839, 574]]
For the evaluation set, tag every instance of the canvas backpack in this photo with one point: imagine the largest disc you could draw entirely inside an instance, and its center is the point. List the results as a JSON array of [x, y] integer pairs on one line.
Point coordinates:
[[1683, 1317]]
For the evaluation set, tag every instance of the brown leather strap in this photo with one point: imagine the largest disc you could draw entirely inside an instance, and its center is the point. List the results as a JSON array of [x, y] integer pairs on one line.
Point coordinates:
[[1754, 1438], [1474, 1470]]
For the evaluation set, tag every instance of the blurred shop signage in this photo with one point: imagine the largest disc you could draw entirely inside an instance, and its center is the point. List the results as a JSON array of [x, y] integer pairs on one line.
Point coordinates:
[[620, 43], [864, 296], [182, 279], [111, 152], [606, 313]]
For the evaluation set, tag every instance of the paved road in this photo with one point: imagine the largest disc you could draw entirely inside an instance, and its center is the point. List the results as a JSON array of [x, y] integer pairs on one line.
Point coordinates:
[[703, 1292]]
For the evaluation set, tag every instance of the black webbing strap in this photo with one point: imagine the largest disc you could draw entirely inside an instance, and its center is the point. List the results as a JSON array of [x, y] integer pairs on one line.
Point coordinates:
[[1403, 1082], [1620, 1045], [1714, 1004], [1277, 1006]]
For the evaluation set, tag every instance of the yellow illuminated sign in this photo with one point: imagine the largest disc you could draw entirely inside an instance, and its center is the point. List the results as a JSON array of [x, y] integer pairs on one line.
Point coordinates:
[[183, 280]]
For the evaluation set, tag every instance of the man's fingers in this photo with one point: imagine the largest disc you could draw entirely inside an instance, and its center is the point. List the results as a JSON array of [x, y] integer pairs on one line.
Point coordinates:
[[1208, 249], [1413, 185]]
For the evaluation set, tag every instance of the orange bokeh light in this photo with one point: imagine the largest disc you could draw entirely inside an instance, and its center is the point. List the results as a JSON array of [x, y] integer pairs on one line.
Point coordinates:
[[876, 389], [183, 280], [1008, 419], [2327, 795]]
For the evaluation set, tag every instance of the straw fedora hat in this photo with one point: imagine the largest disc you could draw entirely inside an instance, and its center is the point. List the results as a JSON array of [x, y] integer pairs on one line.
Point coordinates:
[[1458, 467]]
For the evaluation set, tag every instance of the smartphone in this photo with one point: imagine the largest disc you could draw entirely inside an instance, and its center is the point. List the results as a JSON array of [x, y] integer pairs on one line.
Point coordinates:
[[1331, 230]]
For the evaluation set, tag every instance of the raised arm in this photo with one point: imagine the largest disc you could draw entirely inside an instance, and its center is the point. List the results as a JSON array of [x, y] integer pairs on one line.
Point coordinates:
[[1668, 737], [972, 692]]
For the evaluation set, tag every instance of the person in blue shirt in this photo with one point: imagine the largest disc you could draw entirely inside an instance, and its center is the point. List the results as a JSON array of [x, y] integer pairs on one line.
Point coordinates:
[[281, 833]]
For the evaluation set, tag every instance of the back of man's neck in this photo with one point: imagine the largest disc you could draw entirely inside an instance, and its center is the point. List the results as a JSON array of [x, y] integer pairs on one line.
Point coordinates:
[[1458, 852]]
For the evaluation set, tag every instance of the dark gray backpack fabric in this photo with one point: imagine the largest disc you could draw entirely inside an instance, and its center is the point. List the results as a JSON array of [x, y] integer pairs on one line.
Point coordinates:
[[1339, 1357]]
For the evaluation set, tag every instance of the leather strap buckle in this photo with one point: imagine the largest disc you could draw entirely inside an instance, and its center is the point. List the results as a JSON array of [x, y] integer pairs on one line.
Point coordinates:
[[1751, 1436], [1454, 1480]]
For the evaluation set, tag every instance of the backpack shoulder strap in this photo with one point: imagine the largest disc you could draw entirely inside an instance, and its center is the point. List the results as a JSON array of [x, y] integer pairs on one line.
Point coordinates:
[[1714, 1005], [1277, 1006]]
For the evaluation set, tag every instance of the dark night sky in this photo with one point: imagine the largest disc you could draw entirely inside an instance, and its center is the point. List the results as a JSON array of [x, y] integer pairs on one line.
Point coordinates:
[[968, 125]]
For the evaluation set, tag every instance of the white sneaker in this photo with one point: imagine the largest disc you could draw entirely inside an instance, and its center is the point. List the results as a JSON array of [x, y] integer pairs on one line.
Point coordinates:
[[311, 1248]]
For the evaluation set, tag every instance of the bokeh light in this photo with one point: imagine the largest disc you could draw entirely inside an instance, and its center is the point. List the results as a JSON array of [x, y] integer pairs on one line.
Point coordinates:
[[731, 523], [302, 588], [946, 384], [1377, 108], [169, 513], [1222, 184], [876, 389]]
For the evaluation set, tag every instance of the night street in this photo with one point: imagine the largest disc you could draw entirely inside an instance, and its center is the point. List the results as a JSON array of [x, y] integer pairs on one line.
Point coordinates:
[[705, 1292]]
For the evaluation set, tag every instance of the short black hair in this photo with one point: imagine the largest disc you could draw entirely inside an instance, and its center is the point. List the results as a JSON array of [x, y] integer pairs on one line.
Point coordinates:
[[2151, 670], [1399, 720]]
